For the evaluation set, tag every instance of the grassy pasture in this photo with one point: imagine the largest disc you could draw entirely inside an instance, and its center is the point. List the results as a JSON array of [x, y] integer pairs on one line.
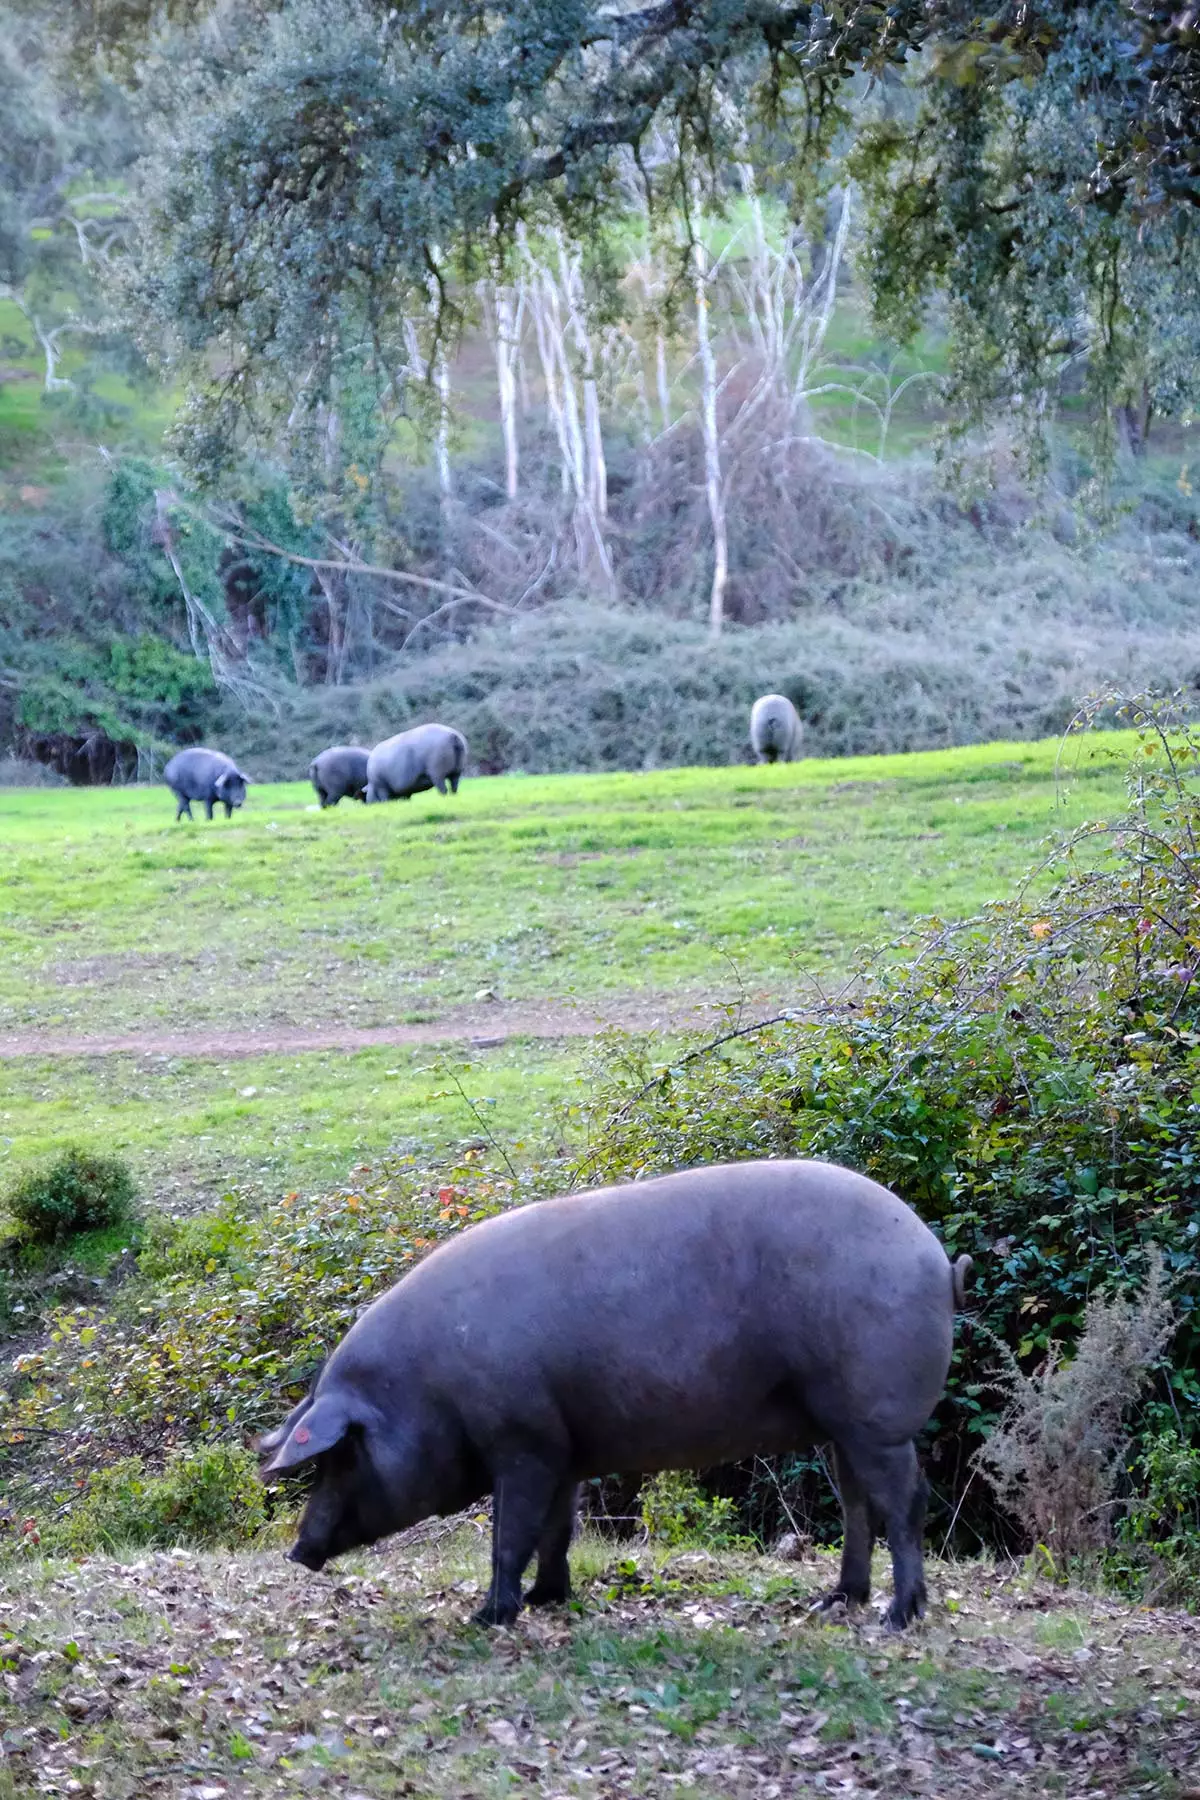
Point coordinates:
[[152, 974]]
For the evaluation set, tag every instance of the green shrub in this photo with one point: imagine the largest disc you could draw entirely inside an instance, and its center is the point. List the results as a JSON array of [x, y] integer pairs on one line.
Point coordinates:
[[676, 1510], [1156, 1557], [77, 1191], [204, 1497]]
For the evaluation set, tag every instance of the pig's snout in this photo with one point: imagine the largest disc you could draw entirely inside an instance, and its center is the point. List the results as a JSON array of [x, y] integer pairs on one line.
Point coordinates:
[[308, 1556]]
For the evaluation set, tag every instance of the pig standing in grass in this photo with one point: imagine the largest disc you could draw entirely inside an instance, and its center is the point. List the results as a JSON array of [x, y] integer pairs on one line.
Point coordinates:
[[430, 756], [719, 1313], [774, 728], [207, 775], [339, 773]]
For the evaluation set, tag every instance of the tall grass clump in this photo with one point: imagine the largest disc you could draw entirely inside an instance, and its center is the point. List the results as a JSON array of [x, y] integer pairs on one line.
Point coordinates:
[[1055, 1457]]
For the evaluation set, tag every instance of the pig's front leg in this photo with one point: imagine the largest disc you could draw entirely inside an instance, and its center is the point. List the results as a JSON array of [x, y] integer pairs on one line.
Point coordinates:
[[524, 1493]]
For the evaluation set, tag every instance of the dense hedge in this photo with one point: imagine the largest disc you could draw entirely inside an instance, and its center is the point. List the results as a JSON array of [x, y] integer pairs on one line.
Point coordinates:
[[580, 686], [896, 620]]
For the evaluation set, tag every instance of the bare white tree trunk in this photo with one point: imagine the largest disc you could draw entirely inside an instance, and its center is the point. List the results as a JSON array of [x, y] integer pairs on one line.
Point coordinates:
[[662, 379], [596, 470], [48, 338], [712, 444], [506, 355], [555, 300], [522, 366], [548, 356]]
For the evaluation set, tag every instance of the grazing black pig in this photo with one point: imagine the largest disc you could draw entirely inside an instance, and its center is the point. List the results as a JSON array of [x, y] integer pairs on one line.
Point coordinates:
[[678, 1323], [207, 775], [339, 773]]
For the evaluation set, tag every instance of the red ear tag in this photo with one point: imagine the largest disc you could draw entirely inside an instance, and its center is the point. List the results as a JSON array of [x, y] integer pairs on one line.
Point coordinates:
[[302, 1434]]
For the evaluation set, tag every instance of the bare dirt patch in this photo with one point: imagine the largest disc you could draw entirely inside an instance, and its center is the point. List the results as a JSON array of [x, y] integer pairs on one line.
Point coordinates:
[[570, 859], [482, 1025], [119, 971]]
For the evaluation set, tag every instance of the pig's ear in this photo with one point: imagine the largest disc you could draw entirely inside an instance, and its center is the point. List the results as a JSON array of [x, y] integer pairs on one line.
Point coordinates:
[[323, 1425], [270, 1441]]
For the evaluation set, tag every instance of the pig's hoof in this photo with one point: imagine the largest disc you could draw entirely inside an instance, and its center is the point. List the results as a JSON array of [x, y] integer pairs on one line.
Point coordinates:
[[491, 1613], [550, 1593], [837, 1599], [902, 1612]]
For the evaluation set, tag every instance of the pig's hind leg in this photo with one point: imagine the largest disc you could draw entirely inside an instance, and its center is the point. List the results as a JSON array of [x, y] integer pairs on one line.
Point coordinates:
[[553, 1584], [523, 1498], [858, 1538], [889, 1479]]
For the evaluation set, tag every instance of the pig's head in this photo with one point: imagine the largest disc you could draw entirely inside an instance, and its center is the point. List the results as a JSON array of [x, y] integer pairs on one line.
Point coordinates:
[[231, 787], [349, 1504]]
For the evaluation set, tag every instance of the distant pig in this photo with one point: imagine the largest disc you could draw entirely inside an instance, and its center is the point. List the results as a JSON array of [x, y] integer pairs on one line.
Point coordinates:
[[428, 756], [339, 773], [775, 728], [207, 775], [719, 1313]]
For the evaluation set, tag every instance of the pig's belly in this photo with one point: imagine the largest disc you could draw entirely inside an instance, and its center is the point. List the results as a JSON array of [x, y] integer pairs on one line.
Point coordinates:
[[627, 1439]]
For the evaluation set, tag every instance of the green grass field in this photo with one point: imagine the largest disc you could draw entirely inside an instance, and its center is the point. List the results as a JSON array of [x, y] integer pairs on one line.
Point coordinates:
[[202, 996]]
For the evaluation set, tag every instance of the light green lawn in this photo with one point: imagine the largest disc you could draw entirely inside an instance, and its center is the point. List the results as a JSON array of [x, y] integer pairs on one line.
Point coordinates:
[[632, 891], [192, 1127], [113, 918]]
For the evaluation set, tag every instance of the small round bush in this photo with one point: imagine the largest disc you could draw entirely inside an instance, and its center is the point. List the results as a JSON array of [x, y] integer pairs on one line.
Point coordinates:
[[75, 1192]]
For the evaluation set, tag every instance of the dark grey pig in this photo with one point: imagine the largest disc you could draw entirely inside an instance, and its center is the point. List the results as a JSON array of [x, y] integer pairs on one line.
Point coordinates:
[[775, 728], [207, 775], [710, 1315], [339, 773], [429, 756]]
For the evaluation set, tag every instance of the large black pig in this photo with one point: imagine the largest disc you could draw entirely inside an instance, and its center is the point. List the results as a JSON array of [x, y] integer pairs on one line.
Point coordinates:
[[677, 1323]]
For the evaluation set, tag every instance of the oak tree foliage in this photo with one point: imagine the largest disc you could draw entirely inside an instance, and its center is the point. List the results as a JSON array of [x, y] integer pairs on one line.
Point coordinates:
[[322, 170]]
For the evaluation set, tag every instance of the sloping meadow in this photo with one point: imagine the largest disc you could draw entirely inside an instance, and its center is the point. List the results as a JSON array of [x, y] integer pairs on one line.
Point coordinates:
[[1029, 1080]]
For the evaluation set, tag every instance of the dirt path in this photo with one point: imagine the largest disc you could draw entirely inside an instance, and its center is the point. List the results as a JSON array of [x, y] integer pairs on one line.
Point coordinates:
[[483, 1026]]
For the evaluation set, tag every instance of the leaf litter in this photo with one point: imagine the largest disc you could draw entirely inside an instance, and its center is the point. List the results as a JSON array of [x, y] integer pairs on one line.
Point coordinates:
[[227, 1677]]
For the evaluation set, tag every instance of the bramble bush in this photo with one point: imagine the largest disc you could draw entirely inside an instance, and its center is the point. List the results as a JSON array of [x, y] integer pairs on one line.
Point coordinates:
[[203, 1497], [224, 1325]]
